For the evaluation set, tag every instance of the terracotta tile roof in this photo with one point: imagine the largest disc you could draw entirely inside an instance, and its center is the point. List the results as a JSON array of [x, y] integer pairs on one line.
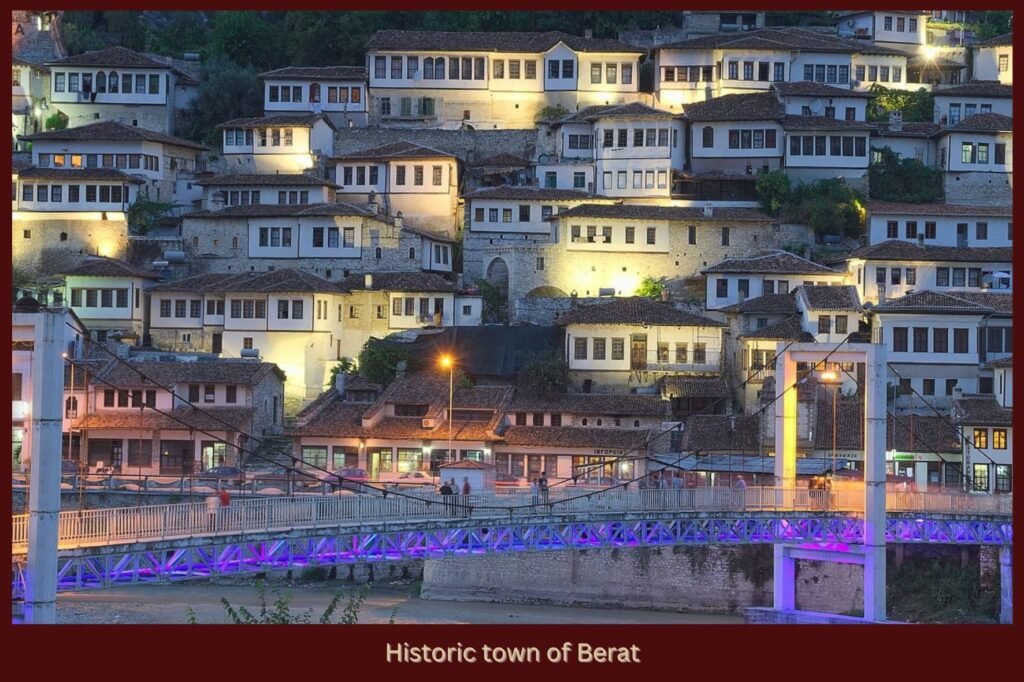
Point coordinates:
[[791, 122], [79, 174], [901, 208], [411, 428], [982, 123], [111, 56], [263, 179], [108, 267], [722, 433], [285, 280], [398, 281], [900, 250], [762, 106], [767, 303], [635, 311], [316, 73], [467, 464], [829, 298], [1001, 303], [694, 387], [904, 433], [495, 41], [789, 329], [111, 131], [781, 39], [816, 89], [338, 208], [602, 111], [529, 193], [614, 405], [922, 130], [771, 263], [572, 437], [221, 371], [649, 212], [981, 411], [237, 418], [929, 302], [998, 41], [480, 397], [976, 89], [20, 163], [395, 150], [276, 120], [429, 234]]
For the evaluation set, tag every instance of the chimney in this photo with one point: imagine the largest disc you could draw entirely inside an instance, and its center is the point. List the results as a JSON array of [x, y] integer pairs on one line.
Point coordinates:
[[664, 296], [368, 280], [896, 121], [371, 202], [398, 220], [339, 384], [459, 281], [588, 33], [709, 210]]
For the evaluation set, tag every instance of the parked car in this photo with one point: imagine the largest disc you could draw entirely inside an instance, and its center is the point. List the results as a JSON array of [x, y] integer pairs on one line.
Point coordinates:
[[227, 474], [350, 478], [415, 478], [505, 480]]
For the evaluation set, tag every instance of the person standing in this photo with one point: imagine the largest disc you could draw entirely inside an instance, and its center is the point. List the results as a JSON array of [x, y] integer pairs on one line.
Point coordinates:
[[212, 509], [446, 493], [534, 492], [542, 486], [741, 491]]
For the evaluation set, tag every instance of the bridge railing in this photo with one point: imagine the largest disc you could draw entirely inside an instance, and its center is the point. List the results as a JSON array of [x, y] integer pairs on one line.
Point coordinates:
[[157, 522]]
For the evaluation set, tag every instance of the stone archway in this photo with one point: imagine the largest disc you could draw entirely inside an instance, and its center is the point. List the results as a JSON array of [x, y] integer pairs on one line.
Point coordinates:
[[497, 275], [546, 292]]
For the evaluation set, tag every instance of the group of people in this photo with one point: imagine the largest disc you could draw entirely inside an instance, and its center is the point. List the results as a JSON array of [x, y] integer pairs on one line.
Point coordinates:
[[539, 489], [214, 503], [449, 489]]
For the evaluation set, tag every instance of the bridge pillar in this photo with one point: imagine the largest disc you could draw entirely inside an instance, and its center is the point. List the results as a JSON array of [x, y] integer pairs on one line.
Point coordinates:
[[1006, 585]]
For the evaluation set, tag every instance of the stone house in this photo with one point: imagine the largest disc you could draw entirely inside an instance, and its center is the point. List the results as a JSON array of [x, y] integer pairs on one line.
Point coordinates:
[[339, 92], [279, 143], [736, 280], [110, 296]]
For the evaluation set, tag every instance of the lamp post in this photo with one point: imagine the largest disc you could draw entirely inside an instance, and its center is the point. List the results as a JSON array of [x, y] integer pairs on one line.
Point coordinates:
[[446, 361], [831, 377]]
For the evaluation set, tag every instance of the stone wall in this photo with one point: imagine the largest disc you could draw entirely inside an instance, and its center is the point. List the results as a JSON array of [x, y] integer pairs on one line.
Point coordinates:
[[979, 189], [54, 245]]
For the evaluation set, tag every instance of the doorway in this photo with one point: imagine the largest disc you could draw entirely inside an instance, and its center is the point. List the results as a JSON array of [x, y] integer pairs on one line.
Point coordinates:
[[638, 351]]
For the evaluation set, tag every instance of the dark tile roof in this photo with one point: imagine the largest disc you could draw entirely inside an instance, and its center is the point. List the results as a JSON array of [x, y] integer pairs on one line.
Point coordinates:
[[762, 106], [108, 267], [466, 145], [220, 371], [611, 404], [186, 71], [635, 311], [529, 193], [284, 280], [209, 419], [904, 433], [398, 281], [816, 89], [901, 208], [770, 263], [496, 41], [789, 329], [783, 304], [111, 131], [781, 39], [829, 298], [648, 212], [633, 441], [37, 47], [316, 73], [998, 41], [601, 111], [20, 162], [1002, 362], [480, 397], [276, 120], [339, 208], [395, 150], [694, 387], [494, 351], [982, 123], [900, 250], [429, 234], [79, 174], [976, 89], [907, 130], [721, 433], [263, 179], [932, 301], [111, 56], [1001, 303], [981, 411], [791, 122]]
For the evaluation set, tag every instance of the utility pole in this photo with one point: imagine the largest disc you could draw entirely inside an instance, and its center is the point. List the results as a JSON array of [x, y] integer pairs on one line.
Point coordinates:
[[44, 478]]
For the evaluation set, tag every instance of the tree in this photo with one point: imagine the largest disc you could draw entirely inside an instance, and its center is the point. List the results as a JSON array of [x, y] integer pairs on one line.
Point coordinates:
[[545, 373], [346, 366], [56, 121], [772, 190], [183, 32], [492, 301], [145, 213], [246, 38], [281, 614], [551, 113], [917, 106], [894, 179], [828, 206], [378, 361], [650, 287], [226, 91]]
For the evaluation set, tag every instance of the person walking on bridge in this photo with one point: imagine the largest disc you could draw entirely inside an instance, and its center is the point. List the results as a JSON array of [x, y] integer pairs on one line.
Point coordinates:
[[542, 485], [212, 510]]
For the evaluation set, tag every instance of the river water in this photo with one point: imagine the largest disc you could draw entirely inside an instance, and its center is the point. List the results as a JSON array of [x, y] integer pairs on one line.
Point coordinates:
[[168, 604]]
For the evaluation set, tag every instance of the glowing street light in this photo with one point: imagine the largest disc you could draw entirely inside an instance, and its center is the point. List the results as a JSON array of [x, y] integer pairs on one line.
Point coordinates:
[[449, 363], [831, 377]]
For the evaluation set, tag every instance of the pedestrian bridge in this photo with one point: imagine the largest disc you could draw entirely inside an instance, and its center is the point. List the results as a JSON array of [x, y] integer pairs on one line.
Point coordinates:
[[104, 547]]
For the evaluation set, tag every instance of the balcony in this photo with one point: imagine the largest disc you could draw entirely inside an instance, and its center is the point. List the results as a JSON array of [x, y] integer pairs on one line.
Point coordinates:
[[757, 375]]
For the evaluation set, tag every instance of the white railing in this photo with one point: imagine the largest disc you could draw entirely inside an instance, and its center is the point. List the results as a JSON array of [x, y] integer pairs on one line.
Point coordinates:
[[161, 522]]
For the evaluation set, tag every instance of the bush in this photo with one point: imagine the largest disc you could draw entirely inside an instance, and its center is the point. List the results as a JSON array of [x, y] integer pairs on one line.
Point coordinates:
[[918, 106], [280, 613], [56, 121], [545, 373], [829, 207], [378, 361], [895, 179], [650, 287], [772, 190]]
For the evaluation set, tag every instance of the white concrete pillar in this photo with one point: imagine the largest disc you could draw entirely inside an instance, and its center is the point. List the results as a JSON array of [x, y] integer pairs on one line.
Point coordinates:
[[785, 423], [44, 479], [1006, 585], [874, 483], [784, 580]]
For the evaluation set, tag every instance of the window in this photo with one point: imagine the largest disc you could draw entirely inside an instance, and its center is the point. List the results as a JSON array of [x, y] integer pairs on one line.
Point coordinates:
[[960, 344], [981, 438], [899, 339], [580, 349], [940, 340], [599, 349], [708, 137], [579, 181], [627, 74], [417, 175], [779, 72], [725, 236], [920, 339], [966, 152], [618, 349], [506, 215], [895, 276], [983, 153], [1000, 153], [942, 277], [700, 353], [652, 234], [911, 275], [999, 439], [1004, 481], [824, 324], [929, 230], [959, 277], [722, 288], [928, 387]]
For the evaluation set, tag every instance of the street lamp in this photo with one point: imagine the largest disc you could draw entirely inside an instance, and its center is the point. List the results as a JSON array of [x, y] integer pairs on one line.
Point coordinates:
[[832, 378], [448, 362]]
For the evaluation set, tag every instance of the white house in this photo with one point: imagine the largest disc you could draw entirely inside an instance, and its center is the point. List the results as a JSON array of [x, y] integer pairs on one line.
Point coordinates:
[[109, 295], [907, 140], [895, 268], [516, 212], [661, 340], [239, 189], [339, 92], [940, 224], [993, 60], [418, 183], [819, 147], [735, 134], [118, 84], [830, 313], [280, 143], [735, 280], [977, 157], [493, 79], [908, 29], [958, 102], [811, 98], [987, 443]]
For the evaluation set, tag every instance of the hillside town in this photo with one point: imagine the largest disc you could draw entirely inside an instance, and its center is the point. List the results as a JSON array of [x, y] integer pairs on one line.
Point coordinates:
[[435, 260]]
